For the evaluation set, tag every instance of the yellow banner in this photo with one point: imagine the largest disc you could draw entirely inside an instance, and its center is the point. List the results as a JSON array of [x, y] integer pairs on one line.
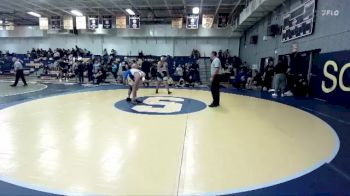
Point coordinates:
[[177, 23], [120, 22], [207, 21], [68, 22]]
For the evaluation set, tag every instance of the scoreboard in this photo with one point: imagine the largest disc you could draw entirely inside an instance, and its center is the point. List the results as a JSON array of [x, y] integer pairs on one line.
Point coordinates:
[[299, 22]]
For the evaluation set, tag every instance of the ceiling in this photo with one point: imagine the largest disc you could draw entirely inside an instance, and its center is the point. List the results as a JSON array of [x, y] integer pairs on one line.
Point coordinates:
[[151, 11]]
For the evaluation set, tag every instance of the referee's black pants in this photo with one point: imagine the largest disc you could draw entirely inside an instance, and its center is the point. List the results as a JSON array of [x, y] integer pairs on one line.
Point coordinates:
[[215, 89], [19, 74]]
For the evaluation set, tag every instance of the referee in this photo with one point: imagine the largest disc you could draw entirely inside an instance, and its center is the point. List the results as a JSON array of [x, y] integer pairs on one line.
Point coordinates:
[[215, 79], [19, 72]]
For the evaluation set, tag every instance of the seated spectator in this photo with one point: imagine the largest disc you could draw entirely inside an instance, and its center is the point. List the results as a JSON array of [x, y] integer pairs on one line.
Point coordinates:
[[98, 77], [257, 79], [240, 79], [56, 55]]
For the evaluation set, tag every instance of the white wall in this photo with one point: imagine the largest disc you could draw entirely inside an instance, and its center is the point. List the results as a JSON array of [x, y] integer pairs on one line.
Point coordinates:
[[125, 46]]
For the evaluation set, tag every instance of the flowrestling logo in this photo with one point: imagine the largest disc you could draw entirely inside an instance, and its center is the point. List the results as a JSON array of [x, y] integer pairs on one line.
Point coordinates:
[[162, 105]]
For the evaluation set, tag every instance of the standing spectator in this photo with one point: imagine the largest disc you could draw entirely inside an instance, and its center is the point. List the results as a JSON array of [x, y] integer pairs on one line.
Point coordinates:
[[81, 69], [89, 68], [19, 72], [146, 68], [268, 76], [280, 78], [195, 72]]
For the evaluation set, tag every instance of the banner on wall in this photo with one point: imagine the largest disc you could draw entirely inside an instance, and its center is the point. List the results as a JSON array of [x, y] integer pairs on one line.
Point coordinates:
[[10, 26], [44, 23], [107, 22], [176, 23], [80, 22], [56, 22], [207, 21], [93, 22], [134, 22], [330, 77], [222, 20], [68, 22], [120, 22], [192, 22]]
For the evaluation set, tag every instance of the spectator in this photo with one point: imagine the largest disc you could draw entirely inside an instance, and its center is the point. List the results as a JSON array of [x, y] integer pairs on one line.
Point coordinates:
[[280, 79], [81, 69], [99, 77], [146, 68], [240, 79], [194, 69], [268, 76], [89, 68], [115, 69]]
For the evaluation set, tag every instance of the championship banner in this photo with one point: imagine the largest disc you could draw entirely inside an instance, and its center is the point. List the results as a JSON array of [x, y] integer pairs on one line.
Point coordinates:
[[120, 22], [93, 22], [134, 22], [44, 23], [176, 23], [1, 28], [10, 26], [68, 22], [222, 20], [56, 23], [80, 22], [192, 22], [207, 21], [107, 22]]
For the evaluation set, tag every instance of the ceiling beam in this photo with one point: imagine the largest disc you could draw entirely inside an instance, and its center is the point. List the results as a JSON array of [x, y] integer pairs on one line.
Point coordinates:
[[167, 6], [48, 10], [88, 8], [218, 7], [149, 4], [107, 10], [118, 7], [134, 7], [185, 6], [22, 8], [235, 8], [15, 14]]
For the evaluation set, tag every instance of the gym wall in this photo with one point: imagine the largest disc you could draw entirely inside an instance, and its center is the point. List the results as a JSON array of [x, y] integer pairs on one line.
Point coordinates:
[[330, 32]]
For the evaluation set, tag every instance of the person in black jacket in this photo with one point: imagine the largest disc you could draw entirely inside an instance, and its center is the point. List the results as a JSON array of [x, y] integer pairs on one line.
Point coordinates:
[[81, 69], [90, 67], [280, 78]]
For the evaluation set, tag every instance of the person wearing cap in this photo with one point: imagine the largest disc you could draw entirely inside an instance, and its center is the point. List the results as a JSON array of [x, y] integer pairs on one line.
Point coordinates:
[[19, 72]]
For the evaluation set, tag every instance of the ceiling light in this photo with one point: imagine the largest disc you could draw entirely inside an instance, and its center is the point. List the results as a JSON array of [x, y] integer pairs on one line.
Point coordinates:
[[1, 21], [34, 14], [195, 10], [76, 12], [130, 11]]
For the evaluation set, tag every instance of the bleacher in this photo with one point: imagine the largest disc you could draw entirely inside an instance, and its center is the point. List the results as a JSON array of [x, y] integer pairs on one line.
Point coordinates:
[[32, 66]]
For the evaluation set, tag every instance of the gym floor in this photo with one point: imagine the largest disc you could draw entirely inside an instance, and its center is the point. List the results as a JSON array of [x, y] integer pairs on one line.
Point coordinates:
[[70, 139]]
